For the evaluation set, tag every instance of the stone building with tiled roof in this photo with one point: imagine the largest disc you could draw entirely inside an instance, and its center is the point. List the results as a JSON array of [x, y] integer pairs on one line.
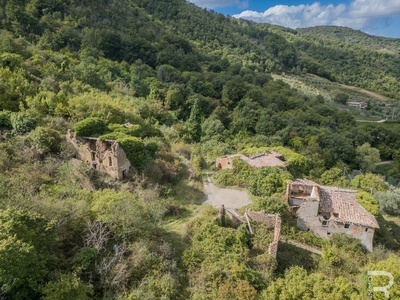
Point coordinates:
[[272, 159], [327, 210]]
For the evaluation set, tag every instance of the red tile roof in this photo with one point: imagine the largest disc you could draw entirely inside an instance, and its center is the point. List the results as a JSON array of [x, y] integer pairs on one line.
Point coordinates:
[[265, 160], [342, 203], [272, 159]]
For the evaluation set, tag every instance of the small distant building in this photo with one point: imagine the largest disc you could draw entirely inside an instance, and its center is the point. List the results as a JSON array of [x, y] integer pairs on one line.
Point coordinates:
[[357, 104], [272, 159], [327, 210], [105, 156]]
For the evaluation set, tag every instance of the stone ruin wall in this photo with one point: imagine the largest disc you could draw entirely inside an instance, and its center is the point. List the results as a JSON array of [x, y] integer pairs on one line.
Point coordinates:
[[104, 156]]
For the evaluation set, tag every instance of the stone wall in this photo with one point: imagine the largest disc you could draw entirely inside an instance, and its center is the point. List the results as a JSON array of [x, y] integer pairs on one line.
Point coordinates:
[[104, 156], [273, 222], [273, 247], [307, 215], [309, 219], [364, 234], [314, 207]]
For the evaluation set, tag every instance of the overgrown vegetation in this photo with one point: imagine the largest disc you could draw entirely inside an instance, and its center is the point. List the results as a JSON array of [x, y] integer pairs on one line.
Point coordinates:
[[176, 97]]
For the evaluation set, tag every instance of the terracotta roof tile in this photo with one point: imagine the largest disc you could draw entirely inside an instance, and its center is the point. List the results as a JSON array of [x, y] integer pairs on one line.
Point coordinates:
[[264, 160], [272, 159], [344, 204], [341, 204]]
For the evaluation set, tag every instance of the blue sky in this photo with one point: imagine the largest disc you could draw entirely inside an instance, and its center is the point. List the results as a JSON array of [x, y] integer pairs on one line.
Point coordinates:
[[377, 17]]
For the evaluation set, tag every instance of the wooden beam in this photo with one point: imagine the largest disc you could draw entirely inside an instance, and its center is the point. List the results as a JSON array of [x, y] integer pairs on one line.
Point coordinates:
[[248, 222]]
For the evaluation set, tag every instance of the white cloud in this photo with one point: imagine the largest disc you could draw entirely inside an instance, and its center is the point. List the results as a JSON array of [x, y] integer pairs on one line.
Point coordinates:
[[374, 9], [360, 14], [221, 3], [296, 16]]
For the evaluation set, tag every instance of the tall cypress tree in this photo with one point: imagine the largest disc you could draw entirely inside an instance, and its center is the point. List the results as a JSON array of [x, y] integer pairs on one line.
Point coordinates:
[[194, 122]]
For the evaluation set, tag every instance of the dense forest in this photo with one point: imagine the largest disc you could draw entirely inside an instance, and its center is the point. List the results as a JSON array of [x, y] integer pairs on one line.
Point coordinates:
[[193, 85]]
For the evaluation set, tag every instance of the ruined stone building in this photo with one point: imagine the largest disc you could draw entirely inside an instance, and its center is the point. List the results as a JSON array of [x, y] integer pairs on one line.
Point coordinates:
[[327, 210], [272, 222], [105, 156], [357, 104], [272, 159]]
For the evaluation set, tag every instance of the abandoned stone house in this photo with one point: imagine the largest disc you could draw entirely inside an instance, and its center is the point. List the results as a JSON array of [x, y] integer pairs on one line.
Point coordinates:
[[327, 210], [105, 156], [272, 159], [272, 221], [357, 104]]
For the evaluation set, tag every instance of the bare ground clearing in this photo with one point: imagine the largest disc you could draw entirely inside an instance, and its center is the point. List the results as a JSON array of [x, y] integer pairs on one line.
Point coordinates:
[[231, 198]]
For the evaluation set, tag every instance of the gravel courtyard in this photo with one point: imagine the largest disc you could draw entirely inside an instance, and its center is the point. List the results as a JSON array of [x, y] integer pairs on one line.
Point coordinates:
[[231, 198]]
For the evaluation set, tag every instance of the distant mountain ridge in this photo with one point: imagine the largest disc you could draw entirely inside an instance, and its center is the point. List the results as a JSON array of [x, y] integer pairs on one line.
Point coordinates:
[[190, 38], [353, 37]]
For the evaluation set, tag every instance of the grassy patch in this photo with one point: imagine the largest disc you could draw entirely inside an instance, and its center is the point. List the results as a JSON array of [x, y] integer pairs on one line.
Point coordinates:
[[389, 232], [290, 255], [391, 173], [186, 192]]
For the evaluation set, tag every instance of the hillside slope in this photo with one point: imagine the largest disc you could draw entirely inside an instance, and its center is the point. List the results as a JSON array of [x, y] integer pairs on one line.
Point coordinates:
[[182, 35], [353, 37], [175, 86]]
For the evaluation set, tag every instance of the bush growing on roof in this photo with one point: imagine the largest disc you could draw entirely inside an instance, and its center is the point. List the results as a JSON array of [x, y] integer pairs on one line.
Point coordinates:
[[90, 127], [132, 130], [133, 147]]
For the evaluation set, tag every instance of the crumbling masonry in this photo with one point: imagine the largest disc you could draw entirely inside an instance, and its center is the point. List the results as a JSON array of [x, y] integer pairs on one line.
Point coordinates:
[[272, 221], [105, 156], [327, 210]]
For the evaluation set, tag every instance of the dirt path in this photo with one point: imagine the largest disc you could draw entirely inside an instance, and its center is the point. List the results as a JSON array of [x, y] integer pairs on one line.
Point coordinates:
[[386, 162], [366, 121], [303, 246], [361, 90], [231, 198]]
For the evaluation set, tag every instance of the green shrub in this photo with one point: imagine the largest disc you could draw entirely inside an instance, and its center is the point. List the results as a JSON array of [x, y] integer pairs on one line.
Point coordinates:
[[45, 139], [135, 151], [90, 127], [5, 121], [22, 123], [268, 181], [68, 287], [272, 204], [134, 147], [134, 130], [151, 148], [10, 60], [369, 182], [85, 257], [237, 176], [368, 202], [389, 202]]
